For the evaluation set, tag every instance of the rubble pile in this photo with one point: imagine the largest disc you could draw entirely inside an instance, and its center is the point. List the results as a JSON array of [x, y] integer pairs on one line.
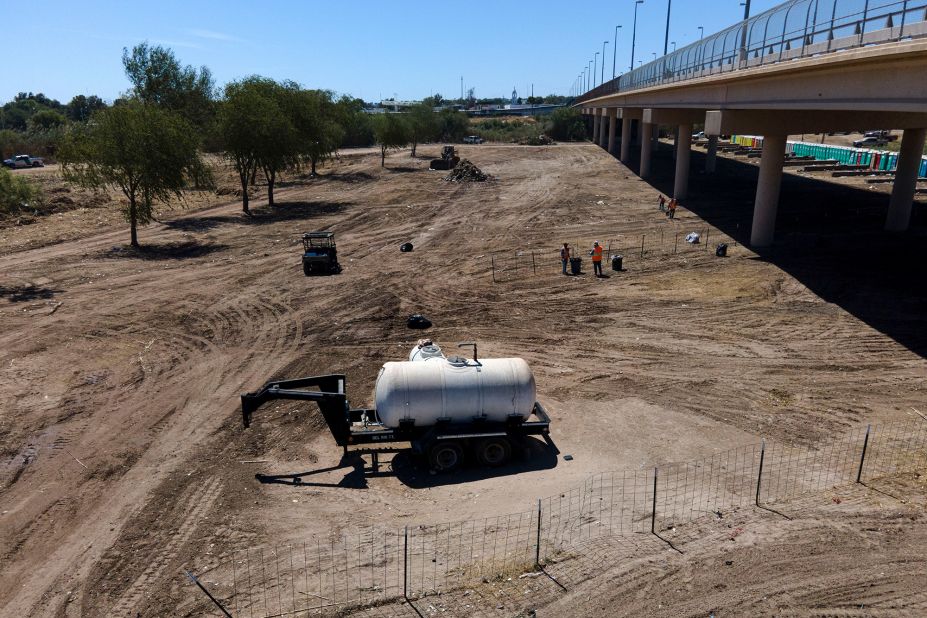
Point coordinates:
[[466, 172]]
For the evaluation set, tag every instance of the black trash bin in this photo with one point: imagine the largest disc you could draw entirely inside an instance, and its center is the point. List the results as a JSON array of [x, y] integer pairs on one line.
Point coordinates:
[[576, 265], [616, 262], [721, 250]]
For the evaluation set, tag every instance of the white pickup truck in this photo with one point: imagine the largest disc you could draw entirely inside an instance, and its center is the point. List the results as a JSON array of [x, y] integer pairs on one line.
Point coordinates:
[[23, 161]]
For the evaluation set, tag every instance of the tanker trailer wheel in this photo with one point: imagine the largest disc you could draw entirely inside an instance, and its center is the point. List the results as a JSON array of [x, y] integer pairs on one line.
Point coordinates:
[[493, 452], [445, 456]]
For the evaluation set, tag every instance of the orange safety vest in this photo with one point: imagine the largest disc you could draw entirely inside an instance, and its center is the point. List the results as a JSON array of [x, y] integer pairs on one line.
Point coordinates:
[[597, 254]]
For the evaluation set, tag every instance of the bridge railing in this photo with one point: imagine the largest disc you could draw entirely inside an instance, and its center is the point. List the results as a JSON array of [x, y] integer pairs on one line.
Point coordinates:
[[794, 29]]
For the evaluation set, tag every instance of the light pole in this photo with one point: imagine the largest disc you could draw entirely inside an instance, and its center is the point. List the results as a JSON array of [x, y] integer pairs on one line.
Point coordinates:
[[591, 73], [634, 32], [673, 43], [669, 5], [743, 36], [602, 80], [614, 51], [701, 32], [595, 66]]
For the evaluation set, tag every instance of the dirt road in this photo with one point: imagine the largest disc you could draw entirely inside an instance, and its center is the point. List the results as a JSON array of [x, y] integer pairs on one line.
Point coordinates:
[[123, 458]]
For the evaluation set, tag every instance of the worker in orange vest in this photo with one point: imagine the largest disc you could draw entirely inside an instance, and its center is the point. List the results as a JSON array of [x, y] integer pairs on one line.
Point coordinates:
[[671, 211], [597, 259], [565, 256]]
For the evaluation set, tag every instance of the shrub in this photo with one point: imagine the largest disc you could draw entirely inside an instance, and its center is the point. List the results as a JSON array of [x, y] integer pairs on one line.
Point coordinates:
[[16, 193]]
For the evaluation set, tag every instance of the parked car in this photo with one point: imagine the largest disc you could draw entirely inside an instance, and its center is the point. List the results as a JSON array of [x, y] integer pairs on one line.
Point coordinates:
[[473, 139], [869, 142], [23, 161], [885, 135], [699, 135]]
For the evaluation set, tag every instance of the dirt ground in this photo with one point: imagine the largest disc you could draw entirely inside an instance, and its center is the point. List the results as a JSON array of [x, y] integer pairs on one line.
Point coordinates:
[[123, 456]]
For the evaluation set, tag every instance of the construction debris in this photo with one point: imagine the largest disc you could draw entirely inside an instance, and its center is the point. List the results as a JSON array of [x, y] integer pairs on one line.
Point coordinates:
[[466, 172]]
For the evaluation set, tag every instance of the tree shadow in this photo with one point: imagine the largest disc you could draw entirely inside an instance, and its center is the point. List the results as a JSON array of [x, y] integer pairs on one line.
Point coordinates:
[[181, 250], [281, 211], [402, 169], [348, 177], [23, 293], [829, 237]]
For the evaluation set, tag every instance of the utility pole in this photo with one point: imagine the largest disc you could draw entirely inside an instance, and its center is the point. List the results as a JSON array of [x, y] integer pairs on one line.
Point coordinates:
[[595, 65], [615, 51], [461, 88], [634, 32], [669, 5]]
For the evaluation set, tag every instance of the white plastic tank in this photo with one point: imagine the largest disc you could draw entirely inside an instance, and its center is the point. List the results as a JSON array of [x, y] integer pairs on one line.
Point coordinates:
[[457, 389]]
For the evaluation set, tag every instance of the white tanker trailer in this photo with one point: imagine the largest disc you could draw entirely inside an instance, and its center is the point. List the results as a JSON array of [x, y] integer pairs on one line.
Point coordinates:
[[449, 409]]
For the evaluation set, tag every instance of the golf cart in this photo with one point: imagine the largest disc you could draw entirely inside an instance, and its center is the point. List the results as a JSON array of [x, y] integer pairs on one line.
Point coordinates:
[[319, 254]]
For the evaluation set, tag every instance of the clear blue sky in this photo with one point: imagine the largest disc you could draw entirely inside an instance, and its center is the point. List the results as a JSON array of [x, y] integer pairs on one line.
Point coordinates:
[[410, 48]]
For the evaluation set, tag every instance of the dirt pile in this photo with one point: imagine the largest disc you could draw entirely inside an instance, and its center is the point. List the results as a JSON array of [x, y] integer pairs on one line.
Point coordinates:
[[465, 171]]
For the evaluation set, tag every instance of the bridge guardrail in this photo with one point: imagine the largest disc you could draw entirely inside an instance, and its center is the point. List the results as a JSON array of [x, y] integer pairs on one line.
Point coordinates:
[[794, 29]]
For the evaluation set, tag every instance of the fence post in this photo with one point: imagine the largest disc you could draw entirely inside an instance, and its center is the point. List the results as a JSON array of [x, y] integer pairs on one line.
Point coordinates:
[[862, 459], [534, 265], [405, 563], [493, 258], [653, 516], [759, 478], [676, 243], [537, 546]]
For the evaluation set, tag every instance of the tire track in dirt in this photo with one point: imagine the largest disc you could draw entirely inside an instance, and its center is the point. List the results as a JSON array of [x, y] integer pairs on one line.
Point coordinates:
[[193, 508]]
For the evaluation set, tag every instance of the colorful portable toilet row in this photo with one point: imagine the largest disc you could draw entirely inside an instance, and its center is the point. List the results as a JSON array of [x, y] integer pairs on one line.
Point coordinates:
[[881, 160]]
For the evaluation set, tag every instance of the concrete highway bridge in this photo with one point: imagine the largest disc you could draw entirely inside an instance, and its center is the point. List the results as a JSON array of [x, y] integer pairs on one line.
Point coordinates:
[[805, 66]]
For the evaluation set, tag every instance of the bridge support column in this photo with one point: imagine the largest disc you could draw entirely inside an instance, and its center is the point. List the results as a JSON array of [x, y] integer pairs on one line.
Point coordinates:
[[637, 132], [596, 124], [625, 138], [647, 149], [602, 132], [612, 128], [683, 156], [675, 143], [767, 191], [711, 158], [899, 208]]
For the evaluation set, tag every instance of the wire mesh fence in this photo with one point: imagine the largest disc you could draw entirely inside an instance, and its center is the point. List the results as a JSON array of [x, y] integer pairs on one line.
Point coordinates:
[[633, 249], [370, 566]]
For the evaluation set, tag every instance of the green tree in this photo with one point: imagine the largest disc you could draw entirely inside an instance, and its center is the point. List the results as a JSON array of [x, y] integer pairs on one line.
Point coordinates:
[[251, 128], [566, 124], [46, 119], [146, 152], [157, 77], [317, 119], [355, 123], [81, 107], [391, 131], [452, 125], [423, 125]]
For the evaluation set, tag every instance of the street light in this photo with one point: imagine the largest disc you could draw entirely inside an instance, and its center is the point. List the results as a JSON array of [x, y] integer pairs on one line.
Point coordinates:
[[701, 32], [673, 43], [602, 80], [634, 32], [614, 51], [595, 66], [669, 5], [591, 74]]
